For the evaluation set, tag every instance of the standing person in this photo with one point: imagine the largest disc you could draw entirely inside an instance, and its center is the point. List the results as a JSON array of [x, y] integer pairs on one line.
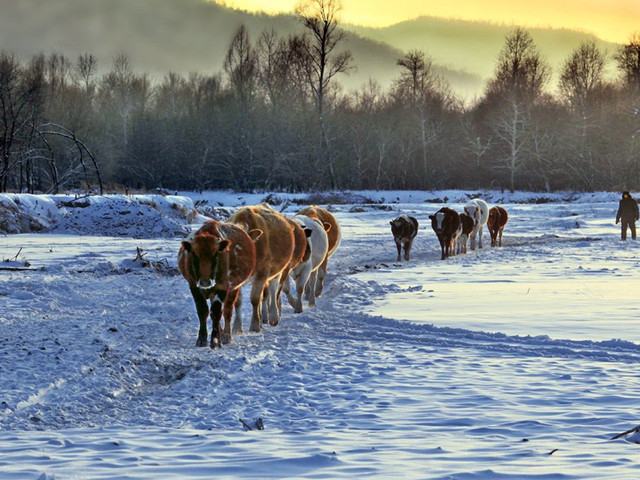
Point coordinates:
[[628, 213]]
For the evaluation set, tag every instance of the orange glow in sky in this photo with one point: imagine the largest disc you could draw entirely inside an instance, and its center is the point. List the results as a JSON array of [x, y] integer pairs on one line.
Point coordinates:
[[613, 20]]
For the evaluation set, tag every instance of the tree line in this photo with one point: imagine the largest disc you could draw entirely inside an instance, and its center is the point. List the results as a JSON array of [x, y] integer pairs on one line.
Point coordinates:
[[275, 118]]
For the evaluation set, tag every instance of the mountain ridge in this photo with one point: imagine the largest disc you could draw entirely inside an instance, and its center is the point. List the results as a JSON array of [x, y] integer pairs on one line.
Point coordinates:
[[161, 36]]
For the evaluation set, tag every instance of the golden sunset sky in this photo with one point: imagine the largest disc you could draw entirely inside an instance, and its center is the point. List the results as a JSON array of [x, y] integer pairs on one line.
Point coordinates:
[[613, 20]]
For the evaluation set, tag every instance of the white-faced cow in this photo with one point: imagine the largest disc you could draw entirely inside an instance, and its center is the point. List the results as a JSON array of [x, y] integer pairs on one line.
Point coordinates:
[[404, 229], [498, 218], [479, 211], [446, 222], [466, 225], [216, 261], [306, 272]]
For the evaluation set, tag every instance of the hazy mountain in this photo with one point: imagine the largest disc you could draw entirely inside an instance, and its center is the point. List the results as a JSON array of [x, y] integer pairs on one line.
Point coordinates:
[[474, 46], [193, 35], [169, 35]]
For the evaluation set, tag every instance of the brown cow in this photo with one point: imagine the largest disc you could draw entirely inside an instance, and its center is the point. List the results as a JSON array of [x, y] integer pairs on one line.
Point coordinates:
[[333, 233], [216, 261], [404, 229], [498, 218], [274, 250], [301, 252], [446, 224]]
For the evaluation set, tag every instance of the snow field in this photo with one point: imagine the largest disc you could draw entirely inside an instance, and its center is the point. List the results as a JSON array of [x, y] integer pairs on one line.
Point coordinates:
[[100, 377]]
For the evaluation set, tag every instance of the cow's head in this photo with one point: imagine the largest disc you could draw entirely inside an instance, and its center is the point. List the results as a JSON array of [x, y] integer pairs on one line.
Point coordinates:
[[474, 212], [493, 216], [204, 256], [396, 224], [437, 221]]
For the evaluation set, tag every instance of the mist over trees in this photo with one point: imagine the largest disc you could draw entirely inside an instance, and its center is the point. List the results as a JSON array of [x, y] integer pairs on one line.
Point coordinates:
[[276, 118]]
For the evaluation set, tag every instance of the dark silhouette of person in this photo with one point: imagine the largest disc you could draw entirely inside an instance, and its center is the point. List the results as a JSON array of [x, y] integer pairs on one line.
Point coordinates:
[[628, 213]]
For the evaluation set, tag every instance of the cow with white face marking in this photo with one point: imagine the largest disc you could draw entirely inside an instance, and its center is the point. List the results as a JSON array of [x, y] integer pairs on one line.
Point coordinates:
[[478, 210], [216, 261], [446, 223], [404, 229]]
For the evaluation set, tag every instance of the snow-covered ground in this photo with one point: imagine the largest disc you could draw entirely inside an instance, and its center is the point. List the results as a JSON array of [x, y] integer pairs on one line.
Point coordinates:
[[506, 363]]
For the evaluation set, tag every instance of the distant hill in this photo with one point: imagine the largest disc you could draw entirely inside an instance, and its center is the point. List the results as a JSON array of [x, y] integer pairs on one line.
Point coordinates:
[[474, 46], [171, 35], [193, 35]]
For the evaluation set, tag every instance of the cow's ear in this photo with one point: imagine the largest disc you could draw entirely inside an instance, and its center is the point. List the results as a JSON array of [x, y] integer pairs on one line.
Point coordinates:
[[391, 222], [432, 217], [308, 232], [223, 245], [186, 245], [327, 227], [255, 234]]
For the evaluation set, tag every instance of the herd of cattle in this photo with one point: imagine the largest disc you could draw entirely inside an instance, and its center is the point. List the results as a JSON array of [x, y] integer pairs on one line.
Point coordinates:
[[260, 245], [453, 229], [257, 244]]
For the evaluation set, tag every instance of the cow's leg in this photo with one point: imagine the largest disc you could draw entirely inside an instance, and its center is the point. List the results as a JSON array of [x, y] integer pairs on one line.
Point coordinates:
[[229, 302], [265, 303], [283, 279], [500, 238], [474, 232], [399, 248], [480, 236], [237, 321], [299, 285], [256, 302], [203, 312], [274, 314], [322, 272], [216, 317], [302, 284], [311, 284], [286, 288], [407, 249], [442, 244]]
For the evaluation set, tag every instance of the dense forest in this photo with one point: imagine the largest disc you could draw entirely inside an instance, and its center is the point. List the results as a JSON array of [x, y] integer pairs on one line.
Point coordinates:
[[275, 118]]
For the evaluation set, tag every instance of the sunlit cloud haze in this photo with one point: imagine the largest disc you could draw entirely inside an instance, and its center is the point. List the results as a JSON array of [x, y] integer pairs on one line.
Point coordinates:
[[612, 20]]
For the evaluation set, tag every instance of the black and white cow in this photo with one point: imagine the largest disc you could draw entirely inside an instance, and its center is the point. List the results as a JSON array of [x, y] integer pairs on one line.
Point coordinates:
[[466, 224], [446, 223], [404, 229]]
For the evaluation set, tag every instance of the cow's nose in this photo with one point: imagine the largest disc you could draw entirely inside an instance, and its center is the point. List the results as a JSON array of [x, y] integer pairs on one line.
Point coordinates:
[[204, 284]]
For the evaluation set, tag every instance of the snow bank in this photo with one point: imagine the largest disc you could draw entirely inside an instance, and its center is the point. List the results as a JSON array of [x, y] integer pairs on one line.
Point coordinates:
[[140, 216], [150, 216], [27, 213], [233, 199]]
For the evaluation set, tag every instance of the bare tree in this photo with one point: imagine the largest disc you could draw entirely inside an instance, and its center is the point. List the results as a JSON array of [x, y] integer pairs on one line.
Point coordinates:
[[582, 74], [424, 93], [417, 79], [521, 71], [511, 130], [86, 67], [20, 90], [241, 64], [322, 62], [320, 18], [628, 59]]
